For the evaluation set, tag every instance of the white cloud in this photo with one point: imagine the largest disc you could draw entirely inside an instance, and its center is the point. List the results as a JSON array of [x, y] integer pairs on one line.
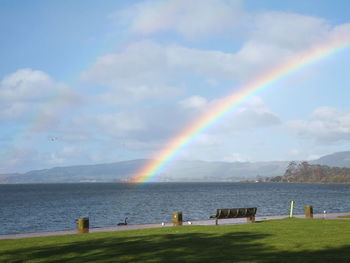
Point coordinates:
[[255, 114], [122, 124], [270, 38], [326, 125], [143, 70], [154, 124], [26, 85], [289, 30], [146, 69], [279, 36], [341, 30], [11, 110], [236, 157], [194, 102], [294, 153], [210, 17], [188, 18], [151, 127], [29, 93]]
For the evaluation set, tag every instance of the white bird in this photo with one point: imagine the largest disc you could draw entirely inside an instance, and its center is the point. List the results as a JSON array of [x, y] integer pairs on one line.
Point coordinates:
[[163, 224], [189, 222]]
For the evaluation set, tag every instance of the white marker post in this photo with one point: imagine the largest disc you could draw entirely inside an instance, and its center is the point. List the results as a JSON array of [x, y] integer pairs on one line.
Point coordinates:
[[291, 208]]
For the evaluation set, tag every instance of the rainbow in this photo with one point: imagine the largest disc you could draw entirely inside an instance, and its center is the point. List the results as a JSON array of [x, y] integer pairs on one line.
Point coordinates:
[[161, 159]]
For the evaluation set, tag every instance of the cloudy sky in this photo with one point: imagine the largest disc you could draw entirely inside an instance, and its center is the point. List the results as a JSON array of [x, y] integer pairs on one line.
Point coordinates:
[[85, 81]]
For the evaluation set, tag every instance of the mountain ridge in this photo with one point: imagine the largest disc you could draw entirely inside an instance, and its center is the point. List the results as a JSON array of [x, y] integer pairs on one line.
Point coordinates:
[[178, 171]]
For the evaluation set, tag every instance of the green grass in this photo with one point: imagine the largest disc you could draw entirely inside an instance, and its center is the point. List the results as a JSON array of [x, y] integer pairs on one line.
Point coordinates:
[[287, 240], [347, 216]]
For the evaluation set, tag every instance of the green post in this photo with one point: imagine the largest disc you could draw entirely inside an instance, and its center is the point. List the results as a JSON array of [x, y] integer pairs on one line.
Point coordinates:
[[291, 208]]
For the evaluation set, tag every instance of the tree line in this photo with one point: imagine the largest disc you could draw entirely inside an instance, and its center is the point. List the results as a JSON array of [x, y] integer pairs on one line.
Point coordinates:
[[303, 172]]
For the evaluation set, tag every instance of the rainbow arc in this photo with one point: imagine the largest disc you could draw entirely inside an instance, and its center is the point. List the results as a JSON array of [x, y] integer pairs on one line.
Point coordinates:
[[231, 102]]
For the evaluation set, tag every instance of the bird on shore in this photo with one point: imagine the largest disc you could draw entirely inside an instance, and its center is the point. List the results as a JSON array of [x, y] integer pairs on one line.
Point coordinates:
[[123, 224]]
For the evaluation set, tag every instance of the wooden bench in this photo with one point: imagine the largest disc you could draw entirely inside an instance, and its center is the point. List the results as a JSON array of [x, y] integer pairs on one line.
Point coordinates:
[[249, 213]]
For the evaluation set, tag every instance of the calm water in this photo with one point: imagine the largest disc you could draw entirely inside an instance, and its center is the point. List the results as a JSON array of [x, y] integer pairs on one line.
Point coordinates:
[[43, 207]]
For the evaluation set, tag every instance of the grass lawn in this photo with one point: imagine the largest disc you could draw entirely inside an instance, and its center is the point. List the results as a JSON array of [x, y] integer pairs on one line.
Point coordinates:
[[287, 240], [347, 216]]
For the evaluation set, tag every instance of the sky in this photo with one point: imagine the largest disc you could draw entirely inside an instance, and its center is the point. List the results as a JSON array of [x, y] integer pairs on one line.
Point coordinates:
[[86, 82]]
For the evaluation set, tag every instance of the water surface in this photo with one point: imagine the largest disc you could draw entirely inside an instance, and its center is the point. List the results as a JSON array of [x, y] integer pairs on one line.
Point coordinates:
[[46, 207]]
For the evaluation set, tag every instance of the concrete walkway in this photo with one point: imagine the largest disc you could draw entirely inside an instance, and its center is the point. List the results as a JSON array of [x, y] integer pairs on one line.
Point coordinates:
[[198, 222]]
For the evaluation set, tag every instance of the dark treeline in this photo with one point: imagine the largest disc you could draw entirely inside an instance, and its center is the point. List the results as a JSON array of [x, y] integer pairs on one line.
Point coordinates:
[[303, 172]]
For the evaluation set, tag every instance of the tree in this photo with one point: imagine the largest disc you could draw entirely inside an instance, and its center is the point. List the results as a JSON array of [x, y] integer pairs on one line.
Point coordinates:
[[291, 169]]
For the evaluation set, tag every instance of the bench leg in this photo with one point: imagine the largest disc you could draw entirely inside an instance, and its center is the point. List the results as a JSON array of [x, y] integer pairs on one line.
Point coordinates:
[[251, 219]]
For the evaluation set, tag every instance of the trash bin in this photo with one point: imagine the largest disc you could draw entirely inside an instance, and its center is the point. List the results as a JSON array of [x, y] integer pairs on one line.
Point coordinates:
[[177, 218], [83, 225], [309, 212]]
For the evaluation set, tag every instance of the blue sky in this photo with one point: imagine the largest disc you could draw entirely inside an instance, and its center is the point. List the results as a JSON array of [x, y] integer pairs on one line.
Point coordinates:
[[85, 82]]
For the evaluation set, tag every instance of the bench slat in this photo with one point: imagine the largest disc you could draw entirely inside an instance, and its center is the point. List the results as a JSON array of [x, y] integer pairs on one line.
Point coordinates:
[[235, 213]]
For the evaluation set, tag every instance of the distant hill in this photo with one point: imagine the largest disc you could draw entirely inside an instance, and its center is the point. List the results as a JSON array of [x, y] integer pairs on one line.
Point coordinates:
[[4, 178], [109, 172], [179, 171], [338, 159], [183, 171], [222, 171]]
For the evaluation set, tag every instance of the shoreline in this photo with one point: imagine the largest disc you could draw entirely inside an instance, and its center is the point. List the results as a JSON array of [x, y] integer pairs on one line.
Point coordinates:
[[207, 222]]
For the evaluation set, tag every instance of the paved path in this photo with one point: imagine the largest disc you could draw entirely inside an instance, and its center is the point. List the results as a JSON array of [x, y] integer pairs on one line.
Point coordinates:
[[198, 222]]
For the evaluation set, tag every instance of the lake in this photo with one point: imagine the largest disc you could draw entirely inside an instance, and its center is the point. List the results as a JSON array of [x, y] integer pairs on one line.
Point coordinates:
[[46, 207]]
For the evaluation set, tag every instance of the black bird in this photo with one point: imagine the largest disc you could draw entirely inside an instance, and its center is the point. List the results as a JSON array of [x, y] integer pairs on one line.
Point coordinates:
[[123, 224]]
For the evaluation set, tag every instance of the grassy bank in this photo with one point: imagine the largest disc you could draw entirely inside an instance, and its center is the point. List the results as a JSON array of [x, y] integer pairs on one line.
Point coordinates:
[[287, 240]]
